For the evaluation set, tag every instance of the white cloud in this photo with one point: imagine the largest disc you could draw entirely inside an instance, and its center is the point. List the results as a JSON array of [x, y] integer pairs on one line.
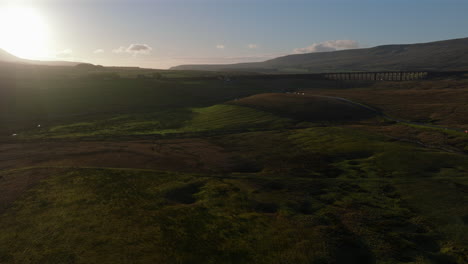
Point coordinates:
[[139, 48], [134, 49], [98, 51], [66, 53], [252, 46], [119, 50], [331, 45], [220, 46]]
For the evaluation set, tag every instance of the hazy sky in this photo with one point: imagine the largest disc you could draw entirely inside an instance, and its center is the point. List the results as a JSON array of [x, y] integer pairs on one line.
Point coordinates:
[[164, 33]]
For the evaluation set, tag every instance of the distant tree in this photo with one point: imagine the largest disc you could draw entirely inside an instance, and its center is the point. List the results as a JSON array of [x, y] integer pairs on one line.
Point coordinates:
[[156, 75]]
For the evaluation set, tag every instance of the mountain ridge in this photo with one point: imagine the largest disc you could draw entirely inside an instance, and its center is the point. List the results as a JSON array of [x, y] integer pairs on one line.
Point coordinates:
[[438, 55]]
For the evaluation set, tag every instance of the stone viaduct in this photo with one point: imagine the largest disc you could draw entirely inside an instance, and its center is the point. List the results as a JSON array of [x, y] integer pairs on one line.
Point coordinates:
[[377, 76]]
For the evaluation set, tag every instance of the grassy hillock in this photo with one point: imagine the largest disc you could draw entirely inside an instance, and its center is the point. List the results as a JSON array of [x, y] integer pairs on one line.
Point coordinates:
[[306, 107], [440, 102], [232, 117]]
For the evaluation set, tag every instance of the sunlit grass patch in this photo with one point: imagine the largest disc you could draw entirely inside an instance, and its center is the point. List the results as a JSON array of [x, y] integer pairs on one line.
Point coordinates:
[[213, 118]]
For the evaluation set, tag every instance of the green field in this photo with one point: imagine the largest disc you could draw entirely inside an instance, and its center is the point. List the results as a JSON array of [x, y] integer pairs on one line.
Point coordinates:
[[214, 118]]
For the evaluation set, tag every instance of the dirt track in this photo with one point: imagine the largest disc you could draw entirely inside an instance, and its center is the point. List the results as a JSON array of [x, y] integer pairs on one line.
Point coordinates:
[[177, 154]]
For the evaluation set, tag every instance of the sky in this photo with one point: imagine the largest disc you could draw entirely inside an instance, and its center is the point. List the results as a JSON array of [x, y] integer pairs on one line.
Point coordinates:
[[165, 33]]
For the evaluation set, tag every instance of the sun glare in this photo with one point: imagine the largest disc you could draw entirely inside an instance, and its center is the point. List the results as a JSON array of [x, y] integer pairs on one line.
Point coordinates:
[[24, 32]]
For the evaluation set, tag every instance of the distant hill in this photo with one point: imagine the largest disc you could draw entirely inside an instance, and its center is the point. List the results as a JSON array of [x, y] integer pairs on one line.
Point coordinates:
[[439, 56], [9, 58]]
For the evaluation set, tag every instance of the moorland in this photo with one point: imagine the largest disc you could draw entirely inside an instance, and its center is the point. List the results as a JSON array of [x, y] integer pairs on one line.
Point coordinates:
[[115, 165]]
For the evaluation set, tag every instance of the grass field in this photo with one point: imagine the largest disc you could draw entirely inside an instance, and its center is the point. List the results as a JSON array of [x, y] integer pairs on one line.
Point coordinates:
[[214, 118], [328, 199], [28, 102], [263, 111], [158, 171]]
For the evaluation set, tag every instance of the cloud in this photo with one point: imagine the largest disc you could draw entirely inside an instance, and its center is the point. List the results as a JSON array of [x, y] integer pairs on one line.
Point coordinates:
[[98, 51], [330, 45], [66, 53], [139, 48], [134, 49], [252, 46], [119, 50], [220, 46]]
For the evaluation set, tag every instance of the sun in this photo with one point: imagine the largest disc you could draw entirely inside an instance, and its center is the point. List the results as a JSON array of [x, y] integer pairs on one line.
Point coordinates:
[[24, 32]]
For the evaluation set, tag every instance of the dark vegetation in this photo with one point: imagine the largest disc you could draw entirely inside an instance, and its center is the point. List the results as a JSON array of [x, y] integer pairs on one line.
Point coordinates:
[[439, 102], [155, 170]]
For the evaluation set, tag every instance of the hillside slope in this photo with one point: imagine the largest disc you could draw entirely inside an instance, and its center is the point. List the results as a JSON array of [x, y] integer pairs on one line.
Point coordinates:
[[439, 55], [6, 57]]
